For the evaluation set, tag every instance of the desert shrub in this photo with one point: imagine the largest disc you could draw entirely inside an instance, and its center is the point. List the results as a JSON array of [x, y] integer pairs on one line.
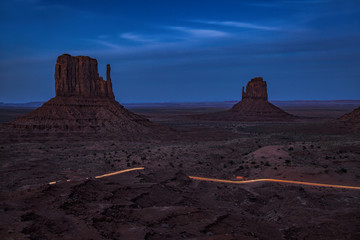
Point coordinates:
[[341, 170], [291, 149], [240, 168]]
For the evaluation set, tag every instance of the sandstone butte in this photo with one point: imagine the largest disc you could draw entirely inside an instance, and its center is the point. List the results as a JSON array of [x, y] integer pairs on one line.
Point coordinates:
[[254, 106], [84, 102]]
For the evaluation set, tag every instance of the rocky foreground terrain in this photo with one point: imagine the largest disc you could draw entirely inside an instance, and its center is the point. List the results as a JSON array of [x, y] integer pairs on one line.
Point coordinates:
[[161, 202]]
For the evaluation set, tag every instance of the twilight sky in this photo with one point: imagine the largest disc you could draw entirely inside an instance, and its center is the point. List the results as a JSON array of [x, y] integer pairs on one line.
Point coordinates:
[[180, 50]]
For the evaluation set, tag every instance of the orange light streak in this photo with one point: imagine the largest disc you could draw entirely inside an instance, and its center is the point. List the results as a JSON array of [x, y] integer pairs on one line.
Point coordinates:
[[107, 175], [118, 172], [241, 178], [273, 180]]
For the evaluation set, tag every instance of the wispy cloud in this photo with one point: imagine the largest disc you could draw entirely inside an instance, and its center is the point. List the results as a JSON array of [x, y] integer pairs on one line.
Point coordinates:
[[200, 33], [103, 36], [136, 38], [239, 25], [284, 3], [105, 43], [308, 1]]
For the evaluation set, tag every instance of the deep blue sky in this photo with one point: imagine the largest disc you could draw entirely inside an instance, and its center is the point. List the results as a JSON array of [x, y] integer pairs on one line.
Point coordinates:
[[165, 51]]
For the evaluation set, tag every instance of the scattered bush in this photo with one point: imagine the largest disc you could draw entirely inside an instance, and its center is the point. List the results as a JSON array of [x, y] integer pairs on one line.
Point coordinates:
[[341, 170], [240, 168]]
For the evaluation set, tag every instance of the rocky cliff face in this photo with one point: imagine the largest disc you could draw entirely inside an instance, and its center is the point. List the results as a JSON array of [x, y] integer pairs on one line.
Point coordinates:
[[255, 89], [78, 76]]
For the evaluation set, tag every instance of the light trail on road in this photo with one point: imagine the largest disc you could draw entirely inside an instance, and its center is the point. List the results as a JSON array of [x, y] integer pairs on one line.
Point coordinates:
[[273, 180], [105, 175], [118, 172]]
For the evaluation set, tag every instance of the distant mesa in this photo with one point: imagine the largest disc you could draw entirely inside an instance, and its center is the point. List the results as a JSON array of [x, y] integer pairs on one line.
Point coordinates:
[[254, 106], [254, 103], [84, 102]]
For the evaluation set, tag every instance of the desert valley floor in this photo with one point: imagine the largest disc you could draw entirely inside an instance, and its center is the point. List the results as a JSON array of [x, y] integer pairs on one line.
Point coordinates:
[[162, 202]]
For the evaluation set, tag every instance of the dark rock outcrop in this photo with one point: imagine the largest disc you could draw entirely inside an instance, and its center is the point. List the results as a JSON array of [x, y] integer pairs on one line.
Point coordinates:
[[84, 102]]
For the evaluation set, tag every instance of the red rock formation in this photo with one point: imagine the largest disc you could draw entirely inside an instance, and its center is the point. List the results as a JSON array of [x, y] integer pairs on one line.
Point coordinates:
[[254, 106], [352, 117], [255, 89], [84, 102], [78, 76]]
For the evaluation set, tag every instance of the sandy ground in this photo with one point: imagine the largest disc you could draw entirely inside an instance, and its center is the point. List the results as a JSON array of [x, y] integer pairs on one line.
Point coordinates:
[[161, 202]]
